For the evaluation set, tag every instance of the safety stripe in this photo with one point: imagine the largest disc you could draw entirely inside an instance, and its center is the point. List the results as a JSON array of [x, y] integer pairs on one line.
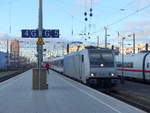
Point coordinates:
[[134, 70]]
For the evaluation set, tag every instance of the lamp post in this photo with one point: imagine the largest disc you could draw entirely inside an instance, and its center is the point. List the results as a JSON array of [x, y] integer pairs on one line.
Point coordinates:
[[40, 28], [97, 41], [122, 78], [62, 46], [7, 54], [133, 41], [123, 38], [106, 36]]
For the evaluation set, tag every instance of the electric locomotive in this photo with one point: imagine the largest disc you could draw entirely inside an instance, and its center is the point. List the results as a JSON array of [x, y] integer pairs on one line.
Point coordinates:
[[90, 66]]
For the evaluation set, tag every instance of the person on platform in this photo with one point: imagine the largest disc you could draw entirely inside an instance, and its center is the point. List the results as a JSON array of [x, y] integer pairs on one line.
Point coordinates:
[[47, 66]]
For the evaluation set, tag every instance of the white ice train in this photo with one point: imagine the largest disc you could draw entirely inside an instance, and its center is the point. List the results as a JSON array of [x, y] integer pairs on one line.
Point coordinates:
[[90, 66], [135, 66]]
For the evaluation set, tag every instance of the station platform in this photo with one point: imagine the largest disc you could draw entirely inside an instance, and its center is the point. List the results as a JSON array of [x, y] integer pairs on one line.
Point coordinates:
[[63, 96]]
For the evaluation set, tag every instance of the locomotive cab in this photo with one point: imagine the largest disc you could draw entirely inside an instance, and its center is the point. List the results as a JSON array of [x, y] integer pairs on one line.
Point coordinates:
[[101, 67]]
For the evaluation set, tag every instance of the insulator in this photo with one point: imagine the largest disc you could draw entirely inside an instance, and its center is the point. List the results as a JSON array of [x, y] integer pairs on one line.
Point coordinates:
[[85, 14], [91, 14], [91, 9], [89, 37], [86, 19]]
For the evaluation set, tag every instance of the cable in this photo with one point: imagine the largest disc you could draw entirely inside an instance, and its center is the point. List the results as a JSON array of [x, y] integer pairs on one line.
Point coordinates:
[[129, 3], [131, 14], [10, 17], [67, 12], [72, 32]]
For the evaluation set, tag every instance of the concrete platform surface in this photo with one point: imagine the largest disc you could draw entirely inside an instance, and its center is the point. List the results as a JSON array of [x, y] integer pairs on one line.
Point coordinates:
[[63, 96]]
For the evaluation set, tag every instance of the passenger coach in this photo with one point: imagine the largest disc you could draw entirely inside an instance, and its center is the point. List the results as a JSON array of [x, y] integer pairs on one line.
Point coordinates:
[[135, 66]]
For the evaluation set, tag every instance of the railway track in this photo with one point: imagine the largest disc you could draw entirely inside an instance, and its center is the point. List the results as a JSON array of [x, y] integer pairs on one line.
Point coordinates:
[[129, 99], [6, 77]]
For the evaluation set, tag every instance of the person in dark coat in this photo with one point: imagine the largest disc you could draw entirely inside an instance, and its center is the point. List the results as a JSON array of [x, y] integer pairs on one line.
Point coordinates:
[[47, 67]]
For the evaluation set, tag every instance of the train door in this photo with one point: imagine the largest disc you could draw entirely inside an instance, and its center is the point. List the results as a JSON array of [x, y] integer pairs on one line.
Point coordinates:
[[81, 66], [147, 70], [146, 67], [77, 66]]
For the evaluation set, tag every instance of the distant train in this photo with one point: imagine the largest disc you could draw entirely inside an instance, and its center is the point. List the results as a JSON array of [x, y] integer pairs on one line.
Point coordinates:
[[90, 66], [136, 66]]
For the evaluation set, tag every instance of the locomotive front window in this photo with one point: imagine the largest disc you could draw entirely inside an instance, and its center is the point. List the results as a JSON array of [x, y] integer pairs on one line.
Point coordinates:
[[107, 56], [95, 55], [99, 59]]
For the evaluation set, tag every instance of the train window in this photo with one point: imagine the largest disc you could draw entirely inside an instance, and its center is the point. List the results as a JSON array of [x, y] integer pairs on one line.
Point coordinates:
[[125, 64], [148, 65], [118, 64], [107, 56], [82, 58], [95, 55], [98, 58]]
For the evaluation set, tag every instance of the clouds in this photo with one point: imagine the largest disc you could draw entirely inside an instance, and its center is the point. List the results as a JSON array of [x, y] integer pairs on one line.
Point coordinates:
[[4, 36], [140, 28]]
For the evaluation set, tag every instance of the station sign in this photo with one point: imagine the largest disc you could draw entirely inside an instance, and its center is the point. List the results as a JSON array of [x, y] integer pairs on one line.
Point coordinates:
[[32, 33], [46, 33]]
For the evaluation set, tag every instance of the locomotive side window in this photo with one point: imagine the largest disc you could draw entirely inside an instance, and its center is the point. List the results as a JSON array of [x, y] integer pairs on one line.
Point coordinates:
[[82, 58]]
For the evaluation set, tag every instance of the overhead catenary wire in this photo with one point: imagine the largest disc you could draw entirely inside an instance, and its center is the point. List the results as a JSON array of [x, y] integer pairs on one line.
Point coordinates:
[[72, 32], [85, 17], [101, 29], [90, 20], [123, 18], [10, 17], [131, 14], [73, 17], [67, 11], [129, 3]]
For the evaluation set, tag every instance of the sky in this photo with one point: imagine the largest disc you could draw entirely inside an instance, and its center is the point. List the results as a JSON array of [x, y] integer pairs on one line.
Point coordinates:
[[124, 16]]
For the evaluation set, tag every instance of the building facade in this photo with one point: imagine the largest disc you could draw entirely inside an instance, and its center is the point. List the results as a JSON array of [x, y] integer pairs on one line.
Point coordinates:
[[3, 60], [14, 51]]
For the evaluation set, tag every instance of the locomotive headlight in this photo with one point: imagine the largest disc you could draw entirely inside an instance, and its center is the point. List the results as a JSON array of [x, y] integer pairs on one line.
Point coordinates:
[[102, 65], [92, 75], [113, 75]]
